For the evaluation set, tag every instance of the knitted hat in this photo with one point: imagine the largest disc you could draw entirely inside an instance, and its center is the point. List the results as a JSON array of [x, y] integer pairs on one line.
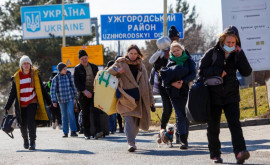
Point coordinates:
[[82, 53], [61, 66], [24, 59], [110, 63], [173, 32]]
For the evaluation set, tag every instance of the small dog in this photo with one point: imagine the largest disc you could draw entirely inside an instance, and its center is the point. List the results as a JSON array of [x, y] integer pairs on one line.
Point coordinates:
[[166, 135]]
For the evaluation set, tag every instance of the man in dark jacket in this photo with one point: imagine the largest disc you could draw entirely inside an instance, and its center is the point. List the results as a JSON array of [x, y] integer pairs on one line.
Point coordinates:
[[229, 58], [84, 75]]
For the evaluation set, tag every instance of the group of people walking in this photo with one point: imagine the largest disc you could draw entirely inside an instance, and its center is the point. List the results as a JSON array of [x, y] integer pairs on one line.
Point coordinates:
[[174, 71]]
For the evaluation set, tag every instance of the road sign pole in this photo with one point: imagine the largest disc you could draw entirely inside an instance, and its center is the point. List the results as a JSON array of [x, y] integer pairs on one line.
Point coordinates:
[[165, 18], [63, 17], [254, 93]]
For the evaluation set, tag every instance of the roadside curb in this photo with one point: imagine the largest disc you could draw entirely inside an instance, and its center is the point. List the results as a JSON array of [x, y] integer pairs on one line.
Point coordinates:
[[244, 123]]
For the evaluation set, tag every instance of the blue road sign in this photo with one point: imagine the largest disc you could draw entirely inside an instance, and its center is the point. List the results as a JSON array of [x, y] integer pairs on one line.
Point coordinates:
[[44, 21], [138, 26]]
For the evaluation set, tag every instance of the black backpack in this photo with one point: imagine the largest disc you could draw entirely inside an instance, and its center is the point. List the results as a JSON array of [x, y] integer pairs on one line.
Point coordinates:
[[7, 125]]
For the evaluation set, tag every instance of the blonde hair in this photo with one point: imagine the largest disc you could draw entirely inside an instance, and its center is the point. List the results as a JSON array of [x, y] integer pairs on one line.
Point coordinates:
[[176, 44], [223, 36]]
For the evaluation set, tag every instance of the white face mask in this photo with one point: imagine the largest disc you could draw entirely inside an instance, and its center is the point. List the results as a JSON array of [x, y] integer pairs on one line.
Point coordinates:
[[229, 49]]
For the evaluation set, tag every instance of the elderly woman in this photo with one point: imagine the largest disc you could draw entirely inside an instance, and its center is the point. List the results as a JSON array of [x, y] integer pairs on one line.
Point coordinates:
[[229, 57], [29, 94], [136, 98], [179, 71]]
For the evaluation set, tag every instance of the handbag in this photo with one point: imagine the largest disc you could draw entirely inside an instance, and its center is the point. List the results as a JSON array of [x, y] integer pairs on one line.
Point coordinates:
[[133, 92], [213, 81], [198, 104], [8, 124]]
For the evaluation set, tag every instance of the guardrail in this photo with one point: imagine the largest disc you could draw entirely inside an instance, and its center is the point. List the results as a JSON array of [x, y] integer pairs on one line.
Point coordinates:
[[158, 101]]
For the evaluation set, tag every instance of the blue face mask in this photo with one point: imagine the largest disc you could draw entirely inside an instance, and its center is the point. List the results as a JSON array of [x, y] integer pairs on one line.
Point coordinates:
[[229, 49]]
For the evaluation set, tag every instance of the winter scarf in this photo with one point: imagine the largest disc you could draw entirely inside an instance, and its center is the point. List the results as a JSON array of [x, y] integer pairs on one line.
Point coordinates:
[[179, 60]]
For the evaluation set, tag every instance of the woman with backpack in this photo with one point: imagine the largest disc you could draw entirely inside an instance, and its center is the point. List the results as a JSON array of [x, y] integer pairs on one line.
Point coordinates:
[[229, 57], [64, 92], [29, 94]]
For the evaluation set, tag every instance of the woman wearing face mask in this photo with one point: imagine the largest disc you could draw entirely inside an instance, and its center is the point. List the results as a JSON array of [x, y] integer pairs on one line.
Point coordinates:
[[229, 58]]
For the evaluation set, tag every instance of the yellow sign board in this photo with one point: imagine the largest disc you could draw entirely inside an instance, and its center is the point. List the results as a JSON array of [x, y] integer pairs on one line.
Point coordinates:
[[70, 55]]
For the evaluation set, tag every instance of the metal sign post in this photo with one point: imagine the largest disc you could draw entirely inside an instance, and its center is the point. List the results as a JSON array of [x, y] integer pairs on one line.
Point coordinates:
[[254, 92], [165, 18], [63, 18]]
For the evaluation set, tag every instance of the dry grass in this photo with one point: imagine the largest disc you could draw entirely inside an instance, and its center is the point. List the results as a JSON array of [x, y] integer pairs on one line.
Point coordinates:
[[246, 106]]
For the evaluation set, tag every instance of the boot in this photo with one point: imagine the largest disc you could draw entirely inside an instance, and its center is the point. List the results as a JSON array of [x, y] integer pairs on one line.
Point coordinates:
[[184, 142], [177, 137], [32, 145], [26, 143]]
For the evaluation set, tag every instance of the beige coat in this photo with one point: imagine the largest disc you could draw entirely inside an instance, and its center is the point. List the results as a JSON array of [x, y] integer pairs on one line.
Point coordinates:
[[126, 105]]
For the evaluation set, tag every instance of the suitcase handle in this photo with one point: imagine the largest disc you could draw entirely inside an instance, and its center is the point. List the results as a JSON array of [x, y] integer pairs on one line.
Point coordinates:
[[104, 80]]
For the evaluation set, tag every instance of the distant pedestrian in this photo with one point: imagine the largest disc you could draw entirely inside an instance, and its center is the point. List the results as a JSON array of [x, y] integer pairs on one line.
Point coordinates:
[[55, 111], [63, 91], [84, 75], [29, 94], [176, 76], [229, 58], [136, 98]]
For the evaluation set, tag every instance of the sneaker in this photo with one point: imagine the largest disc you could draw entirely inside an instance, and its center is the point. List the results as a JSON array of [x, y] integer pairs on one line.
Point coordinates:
[[54, 125], [132, 147], [65, 136], [121, 130], [99, 135], [217, 160], [60, 126], [87, 137], [242, 156], [184, 146], [73, 134], [26, 144]]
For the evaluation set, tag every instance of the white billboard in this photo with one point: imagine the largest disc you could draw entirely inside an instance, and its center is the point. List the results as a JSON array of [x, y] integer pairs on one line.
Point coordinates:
[[43, 21], [252, 19]]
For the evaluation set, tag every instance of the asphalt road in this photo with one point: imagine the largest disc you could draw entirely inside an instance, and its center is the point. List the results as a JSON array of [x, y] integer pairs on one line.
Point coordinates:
[[53, 149]]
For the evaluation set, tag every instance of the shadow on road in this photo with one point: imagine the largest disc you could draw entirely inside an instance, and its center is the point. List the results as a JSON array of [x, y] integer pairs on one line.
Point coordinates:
[[121, 139], [171, 152], [59, 151], [252, 145]]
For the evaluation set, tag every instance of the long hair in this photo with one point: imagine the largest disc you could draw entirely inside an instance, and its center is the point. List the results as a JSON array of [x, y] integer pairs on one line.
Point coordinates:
[[133, 46], [223, 36]]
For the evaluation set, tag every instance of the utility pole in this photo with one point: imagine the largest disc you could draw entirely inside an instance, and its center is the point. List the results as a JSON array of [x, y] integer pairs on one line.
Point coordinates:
[[63, 18], [165, 18]]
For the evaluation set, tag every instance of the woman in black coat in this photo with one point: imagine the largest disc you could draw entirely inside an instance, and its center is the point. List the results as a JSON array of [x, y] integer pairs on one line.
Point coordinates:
[[179, 71], [228, 58]]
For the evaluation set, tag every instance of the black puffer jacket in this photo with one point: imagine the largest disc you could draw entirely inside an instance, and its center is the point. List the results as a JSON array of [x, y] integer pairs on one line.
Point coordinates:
[[187, 73], [228, 92]]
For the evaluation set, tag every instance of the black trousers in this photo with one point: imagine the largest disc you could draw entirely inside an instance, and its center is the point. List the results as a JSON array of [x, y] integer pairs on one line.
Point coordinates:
[[87, 105], [28, 122], [167, 107], [56, 114], [232, 113], [119, 119]]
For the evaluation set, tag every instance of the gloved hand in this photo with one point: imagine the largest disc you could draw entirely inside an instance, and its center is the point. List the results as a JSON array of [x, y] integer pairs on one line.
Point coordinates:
[[153, 108]]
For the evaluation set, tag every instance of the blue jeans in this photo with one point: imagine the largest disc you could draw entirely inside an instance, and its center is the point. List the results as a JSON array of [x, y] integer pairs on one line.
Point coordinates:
[[182, 122], [112, 119], [68, 116]]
